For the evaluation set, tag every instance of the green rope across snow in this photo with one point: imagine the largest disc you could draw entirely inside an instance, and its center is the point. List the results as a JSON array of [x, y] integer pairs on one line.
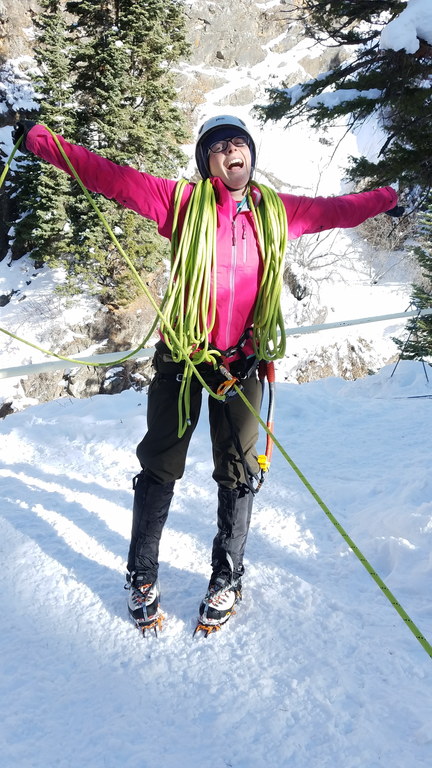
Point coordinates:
[[426, 645]]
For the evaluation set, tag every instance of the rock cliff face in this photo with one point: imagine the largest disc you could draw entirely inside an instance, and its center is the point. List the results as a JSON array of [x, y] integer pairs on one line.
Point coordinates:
[[240, 34], [223, 36], [15, 19], [234, 34]]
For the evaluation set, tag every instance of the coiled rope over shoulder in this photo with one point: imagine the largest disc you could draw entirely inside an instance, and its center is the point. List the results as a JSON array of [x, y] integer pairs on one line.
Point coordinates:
[[189, 304], [272, 232]]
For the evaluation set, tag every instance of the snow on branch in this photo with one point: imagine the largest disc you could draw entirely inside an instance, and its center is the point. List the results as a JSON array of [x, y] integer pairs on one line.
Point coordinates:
[[409, 28]]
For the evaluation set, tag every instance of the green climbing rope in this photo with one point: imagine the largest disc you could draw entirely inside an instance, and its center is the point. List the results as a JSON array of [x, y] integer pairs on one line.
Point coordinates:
[[272, 231], [189, 304], [188, 309]]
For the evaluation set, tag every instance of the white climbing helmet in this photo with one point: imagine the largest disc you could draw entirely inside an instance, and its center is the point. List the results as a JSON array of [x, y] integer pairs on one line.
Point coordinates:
[[213, 125]]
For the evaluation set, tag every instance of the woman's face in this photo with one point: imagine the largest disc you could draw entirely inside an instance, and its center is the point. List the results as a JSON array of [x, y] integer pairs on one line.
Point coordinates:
[[233, 166]]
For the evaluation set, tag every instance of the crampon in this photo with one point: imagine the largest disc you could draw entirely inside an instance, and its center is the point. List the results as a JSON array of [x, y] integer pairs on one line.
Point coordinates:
[[150, 626], [204, 629]]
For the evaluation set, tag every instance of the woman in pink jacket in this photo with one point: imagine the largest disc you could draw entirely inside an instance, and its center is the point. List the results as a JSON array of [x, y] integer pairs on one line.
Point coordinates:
[[225, 153]]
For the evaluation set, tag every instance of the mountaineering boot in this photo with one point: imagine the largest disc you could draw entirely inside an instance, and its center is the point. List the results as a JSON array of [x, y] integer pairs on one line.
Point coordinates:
[[143, 603], [223, 592], [150, 511], [225, 587]]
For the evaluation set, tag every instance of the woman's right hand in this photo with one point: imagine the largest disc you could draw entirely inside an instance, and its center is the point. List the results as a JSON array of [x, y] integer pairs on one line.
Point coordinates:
[[22, 128]]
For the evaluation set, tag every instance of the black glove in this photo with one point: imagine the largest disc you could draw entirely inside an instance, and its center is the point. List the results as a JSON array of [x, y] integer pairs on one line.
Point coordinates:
[[396, 212], [21, 129]]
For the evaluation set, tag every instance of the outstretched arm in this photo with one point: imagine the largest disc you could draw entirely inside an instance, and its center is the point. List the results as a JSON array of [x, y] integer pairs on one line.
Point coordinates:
[[315, 214], [150, 196]]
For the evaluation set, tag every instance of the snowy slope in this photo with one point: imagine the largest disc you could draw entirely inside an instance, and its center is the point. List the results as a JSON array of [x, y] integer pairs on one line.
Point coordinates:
[[315, 670]]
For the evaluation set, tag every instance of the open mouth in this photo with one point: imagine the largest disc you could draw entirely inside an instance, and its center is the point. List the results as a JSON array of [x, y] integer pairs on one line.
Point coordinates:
[[235, 163]]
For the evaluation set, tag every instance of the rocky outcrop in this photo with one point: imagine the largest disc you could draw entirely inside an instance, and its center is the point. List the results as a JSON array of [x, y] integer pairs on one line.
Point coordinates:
[[240, 35], [235, 34], [15, 20], [344, 359], [115, 331]]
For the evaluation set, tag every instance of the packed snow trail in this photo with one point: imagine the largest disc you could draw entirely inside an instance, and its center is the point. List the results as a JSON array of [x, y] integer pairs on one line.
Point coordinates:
[[315, 669]]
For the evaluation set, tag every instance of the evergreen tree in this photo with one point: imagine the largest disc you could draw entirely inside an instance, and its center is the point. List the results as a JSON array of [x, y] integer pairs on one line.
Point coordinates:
[[123, 57], [42, 192], [391, 85], [418, 345]]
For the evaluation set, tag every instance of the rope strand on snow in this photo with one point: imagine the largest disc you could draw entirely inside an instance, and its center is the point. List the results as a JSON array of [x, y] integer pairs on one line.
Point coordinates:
[[364, 561]]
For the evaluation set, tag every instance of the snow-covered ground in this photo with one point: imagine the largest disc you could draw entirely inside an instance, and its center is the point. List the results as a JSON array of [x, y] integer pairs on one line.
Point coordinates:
[[316, 669]]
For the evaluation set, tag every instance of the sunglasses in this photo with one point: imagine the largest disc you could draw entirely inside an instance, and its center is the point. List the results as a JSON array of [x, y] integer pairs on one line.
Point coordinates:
[[221, 146]]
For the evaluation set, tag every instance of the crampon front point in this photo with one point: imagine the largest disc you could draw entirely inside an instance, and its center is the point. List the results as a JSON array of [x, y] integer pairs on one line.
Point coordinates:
[[152, 626], [210, 629]]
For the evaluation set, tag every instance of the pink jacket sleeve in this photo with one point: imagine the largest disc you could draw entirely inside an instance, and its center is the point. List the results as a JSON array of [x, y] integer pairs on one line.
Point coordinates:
[[150, 196], [315, 214]]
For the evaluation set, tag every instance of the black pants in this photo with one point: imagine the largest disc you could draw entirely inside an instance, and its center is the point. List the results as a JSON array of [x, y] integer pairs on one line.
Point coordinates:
[[162, 455]]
